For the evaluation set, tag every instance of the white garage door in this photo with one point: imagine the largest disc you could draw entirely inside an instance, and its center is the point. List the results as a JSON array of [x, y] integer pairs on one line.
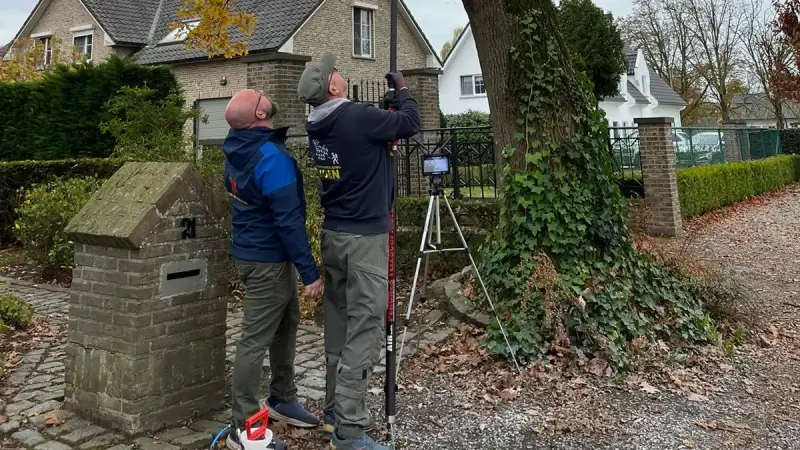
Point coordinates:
[[213, 131]]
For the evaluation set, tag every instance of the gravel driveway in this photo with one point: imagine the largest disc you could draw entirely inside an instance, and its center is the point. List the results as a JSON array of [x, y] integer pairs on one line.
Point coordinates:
[[748, 399]]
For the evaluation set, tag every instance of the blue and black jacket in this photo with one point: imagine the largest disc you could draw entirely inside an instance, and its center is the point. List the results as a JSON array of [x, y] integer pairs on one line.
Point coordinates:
[[265, 188]]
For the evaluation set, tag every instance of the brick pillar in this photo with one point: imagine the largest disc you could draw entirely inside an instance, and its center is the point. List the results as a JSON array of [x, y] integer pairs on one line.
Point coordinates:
[[731, 130], [424, 86], [277, 74], [659, 176]]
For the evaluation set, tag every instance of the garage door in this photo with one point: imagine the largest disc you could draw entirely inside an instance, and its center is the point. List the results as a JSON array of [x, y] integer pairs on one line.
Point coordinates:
[[214, 131]]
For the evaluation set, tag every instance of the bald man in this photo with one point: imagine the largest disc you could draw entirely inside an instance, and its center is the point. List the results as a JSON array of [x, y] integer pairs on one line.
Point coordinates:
[[270, 246]]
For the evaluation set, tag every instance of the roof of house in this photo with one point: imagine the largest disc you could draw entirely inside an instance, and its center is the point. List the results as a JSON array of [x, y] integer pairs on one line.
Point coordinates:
[[146, 22], [276, 22], [659, 88], [757, 106], [630, 58]]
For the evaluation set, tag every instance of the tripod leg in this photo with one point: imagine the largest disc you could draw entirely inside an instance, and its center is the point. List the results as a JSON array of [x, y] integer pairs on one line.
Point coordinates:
[[424, 285], [407, 319], [483, 286]]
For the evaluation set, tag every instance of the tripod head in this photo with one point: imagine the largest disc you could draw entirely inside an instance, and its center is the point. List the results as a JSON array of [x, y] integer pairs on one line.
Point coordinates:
[[435, 185]]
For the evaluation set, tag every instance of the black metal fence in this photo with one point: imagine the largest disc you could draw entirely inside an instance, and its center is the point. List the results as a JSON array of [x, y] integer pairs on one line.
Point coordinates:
[[471, 155], [364, 91]]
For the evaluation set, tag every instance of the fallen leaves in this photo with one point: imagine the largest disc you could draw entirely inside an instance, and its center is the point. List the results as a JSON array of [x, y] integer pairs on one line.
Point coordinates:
[[3, 419], [53, 420]]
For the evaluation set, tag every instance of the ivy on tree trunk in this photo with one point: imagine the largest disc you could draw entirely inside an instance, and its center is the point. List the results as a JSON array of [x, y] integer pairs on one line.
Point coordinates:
[[561, 260]]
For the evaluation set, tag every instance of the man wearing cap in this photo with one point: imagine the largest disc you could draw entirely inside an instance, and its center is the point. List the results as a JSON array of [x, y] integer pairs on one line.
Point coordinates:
[[349, 144], [270, 246]]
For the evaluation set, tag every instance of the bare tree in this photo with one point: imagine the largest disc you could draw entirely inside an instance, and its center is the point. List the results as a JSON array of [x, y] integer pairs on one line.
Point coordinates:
[[660, 29], [765, 53], [717, 27]]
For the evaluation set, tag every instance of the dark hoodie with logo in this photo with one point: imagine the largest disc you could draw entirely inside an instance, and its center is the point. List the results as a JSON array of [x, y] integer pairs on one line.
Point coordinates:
[[349, 142], [265, 188]]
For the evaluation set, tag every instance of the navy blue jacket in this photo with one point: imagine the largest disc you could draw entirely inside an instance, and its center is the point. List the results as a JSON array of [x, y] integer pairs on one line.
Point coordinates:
[[349, 142], [265, 188]]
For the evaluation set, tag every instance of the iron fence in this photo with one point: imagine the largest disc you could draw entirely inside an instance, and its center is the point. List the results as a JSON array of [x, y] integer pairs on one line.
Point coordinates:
[[471, 154]]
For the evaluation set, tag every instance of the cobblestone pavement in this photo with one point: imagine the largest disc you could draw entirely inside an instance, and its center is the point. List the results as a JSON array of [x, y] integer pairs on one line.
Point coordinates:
[[35, 387]]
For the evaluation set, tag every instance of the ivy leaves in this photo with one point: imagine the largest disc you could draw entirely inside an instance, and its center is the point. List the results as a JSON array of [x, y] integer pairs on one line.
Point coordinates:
[[561, 261]]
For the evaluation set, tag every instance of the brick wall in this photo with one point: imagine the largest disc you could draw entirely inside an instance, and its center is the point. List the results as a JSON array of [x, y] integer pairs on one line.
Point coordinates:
[[659, 176], [61, 15], [278, 76], [330, 29]]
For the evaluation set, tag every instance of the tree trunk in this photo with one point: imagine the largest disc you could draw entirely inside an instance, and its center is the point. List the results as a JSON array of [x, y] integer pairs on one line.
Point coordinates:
[[560, 262], [496, 26]]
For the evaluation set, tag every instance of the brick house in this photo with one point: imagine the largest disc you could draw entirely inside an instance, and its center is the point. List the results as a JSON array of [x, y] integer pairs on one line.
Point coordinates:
[[288, 34]]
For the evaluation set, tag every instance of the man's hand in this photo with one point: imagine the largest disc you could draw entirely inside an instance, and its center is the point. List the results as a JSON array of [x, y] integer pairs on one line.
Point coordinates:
[[313, 290], [396, 80]]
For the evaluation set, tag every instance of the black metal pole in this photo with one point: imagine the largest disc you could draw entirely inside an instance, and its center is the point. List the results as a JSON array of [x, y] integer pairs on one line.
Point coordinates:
[[391, 357]]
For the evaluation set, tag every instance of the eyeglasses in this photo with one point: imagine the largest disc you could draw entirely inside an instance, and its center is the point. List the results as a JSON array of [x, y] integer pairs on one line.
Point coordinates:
[[255, 112]]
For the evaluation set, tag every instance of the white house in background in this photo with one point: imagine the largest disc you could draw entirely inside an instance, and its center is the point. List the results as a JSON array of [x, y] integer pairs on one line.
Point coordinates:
[[642, 92]]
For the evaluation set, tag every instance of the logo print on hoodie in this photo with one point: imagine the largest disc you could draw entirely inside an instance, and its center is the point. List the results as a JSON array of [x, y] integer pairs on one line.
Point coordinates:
[[327, 162]]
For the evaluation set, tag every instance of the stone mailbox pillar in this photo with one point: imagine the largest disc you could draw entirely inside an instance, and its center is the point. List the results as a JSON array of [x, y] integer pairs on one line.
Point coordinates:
[[146, 346]]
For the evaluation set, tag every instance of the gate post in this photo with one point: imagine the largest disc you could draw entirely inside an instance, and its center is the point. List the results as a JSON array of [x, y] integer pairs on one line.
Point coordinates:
[[659, 176]]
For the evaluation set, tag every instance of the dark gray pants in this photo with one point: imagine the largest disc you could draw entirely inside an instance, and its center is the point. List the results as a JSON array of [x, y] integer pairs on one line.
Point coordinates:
[[271, 318], [356, 295]]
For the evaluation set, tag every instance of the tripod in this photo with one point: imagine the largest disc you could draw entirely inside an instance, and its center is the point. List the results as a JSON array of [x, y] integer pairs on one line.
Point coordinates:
[[428, 246]]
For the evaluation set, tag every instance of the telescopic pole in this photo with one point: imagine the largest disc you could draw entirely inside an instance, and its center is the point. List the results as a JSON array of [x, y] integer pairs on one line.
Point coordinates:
[[391, 357]]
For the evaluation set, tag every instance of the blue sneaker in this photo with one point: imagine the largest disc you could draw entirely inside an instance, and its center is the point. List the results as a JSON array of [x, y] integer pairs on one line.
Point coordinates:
[[234, 443], [291, 413], [363, 443], [329, 422]]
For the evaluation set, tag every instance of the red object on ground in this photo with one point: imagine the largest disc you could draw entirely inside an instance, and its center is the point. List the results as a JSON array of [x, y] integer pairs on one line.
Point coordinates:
[[261, 417]]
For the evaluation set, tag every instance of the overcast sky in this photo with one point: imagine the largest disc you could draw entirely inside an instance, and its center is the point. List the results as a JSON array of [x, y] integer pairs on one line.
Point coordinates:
[[437, 18]]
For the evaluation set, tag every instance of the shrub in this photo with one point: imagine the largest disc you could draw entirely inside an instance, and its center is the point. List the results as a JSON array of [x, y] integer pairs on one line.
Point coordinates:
[[469, 118], [149, 127], [14, 312], [46, 210], [17, 175], [790, 141], [57, 116], [706, 188]]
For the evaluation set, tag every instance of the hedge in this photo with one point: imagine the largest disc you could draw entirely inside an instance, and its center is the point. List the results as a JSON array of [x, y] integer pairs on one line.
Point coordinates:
[[790, 141], [58, 117], [26, 174], [706, 188]]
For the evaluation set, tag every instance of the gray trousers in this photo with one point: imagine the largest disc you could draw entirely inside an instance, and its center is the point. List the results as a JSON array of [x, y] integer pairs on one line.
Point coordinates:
[[355, 300], [271, 318]]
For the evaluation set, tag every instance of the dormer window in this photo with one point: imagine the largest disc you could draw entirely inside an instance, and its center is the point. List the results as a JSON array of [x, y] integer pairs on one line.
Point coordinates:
[[179, 34]]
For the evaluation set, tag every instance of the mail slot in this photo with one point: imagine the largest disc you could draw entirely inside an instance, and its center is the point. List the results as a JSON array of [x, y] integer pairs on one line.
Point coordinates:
[[183, 277]]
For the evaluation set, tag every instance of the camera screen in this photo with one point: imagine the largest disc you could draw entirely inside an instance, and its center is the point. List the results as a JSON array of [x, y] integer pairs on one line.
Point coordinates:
[[435, 165]]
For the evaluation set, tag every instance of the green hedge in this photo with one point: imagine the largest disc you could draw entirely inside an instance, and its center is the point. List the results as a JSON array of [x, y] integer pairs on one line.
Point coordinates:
[[58, 116], [706, 188], [27, 174], [790, 141]]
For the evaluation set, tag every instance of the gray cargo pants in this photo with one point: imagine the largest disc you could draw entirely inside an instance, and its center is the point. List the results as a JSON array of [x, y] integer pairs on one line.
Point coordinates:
[[271, 318], [356, 295]]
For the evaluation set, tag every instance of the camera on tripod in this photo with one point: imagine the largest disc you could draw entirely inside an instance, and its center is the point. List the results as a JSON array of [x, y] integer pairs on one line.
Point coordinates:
[[435, 165]]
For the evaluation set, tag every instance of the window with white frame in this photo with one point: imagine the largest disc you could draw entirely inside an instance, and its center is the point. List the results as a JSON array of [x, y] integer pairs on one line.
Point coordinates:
[[46, 44], [83, 45], [472, 85], [363, 42]]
